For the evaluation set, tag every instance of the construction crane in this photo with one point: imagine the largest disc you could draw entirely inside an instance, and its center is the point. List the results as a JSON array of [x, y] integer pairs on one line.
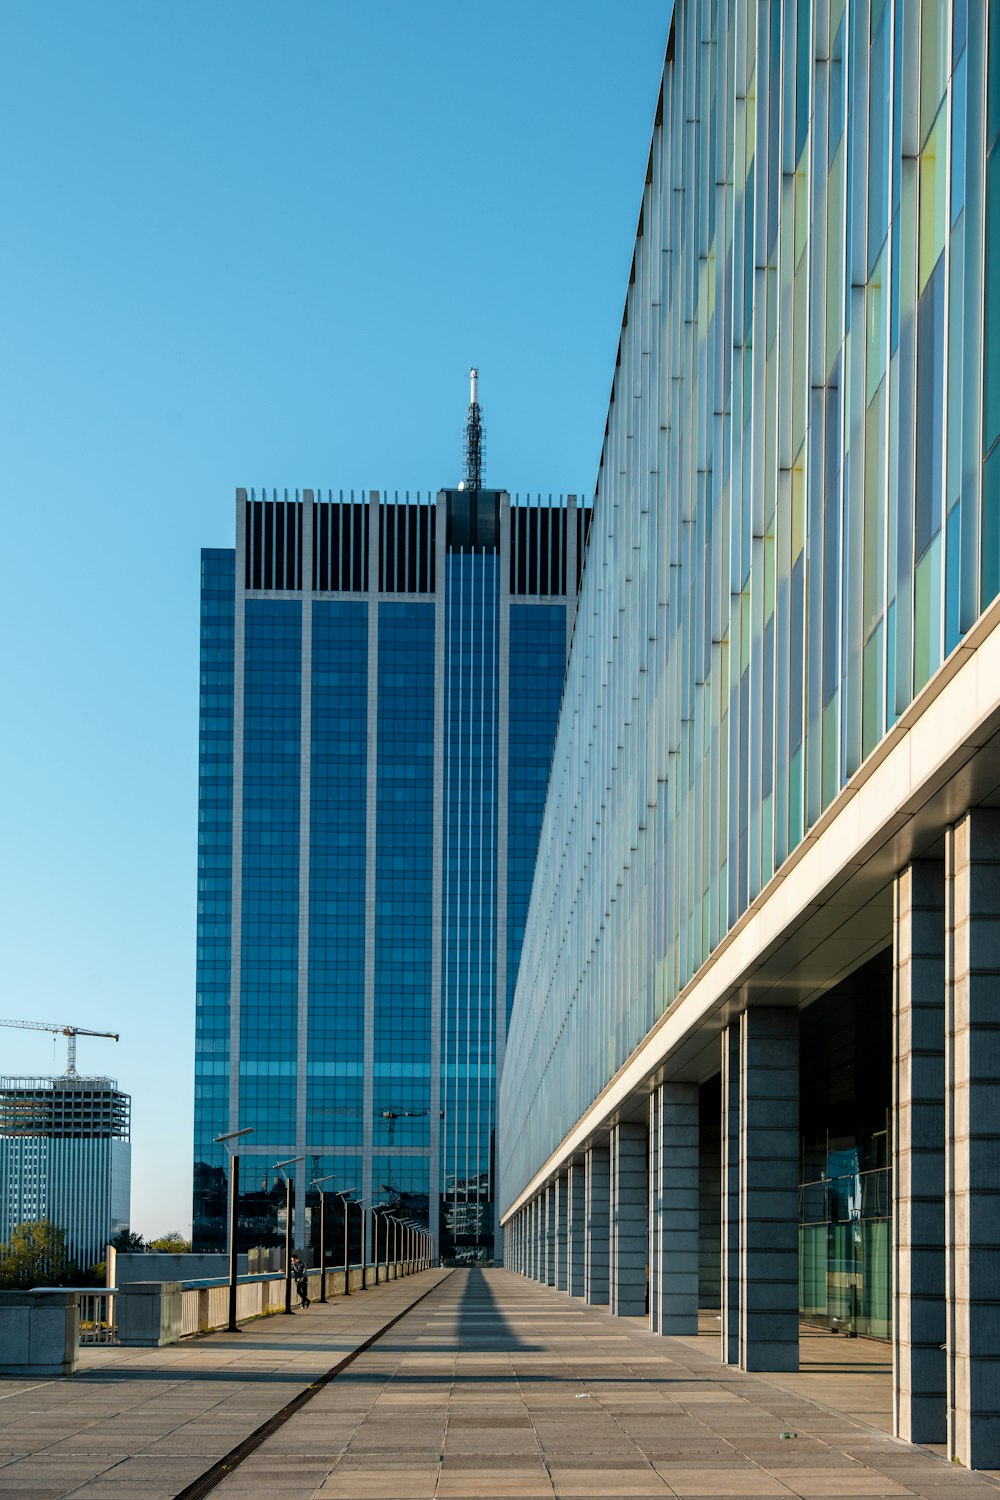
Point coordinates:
[[69, 1032]]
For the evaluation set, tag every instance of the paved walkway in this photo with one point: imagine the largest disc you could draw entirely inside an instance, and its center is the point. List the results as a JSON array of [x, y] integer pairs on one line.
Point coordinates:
[[854, 1376], [490, 1387], [147, 1422], [496, 1387]]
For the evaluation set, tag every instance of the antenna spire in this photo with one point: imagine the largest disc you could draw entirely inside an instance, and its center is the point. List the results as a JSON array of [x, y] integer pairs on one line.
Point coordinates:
[[474, 436]]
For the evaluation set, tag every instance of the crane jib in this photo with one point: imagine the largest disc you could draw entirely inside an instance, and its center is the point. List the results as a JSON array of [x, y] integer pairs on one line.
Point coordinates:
[[69, 1032]]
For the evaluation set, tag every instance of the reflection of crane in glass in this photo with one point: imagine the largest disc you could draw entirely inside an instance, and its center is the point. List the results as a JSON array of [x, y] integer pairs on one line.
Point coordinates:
[[392, 1115]]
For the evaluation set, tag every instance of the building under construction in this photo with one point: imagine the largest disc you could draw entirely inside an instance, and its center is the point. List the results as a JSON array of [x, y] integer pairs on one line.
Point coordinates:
[[65, 1156]]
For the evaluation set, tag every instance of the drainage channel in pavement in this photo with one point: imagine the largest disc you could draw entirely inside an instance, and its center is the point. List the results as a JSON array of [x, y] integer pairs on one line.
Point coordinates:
[[231, 1461]]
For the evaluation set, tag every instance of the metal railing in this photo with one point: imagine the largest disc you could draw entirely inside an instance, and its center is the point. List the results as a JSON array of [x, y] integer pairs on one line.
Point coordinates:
[[847, 1198], [97, 1316], [204, 1304]]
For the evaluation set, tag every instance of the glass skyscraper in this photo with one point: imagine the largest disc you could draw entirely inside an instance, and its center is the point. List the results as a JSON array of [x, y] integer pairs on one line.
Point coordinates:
[[752, 1060], [380, 684]]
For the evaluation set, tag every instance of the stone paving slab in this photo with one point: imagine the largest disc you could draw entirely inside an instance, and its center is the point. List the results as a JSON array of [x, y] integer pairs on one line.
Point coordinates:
[[147, 1422]]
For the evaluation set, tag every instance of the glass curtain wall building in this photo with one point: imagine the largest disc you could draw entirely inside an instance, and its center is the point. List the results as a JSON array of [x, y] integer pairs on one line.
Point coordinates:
[[380, 683], [770, 830]]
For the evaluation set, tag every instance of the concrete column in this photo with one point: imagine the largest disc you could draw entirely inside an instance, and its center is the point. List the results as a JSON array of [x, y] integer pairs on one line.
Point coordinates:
[[918, 1309], [629, 1220], [673, 1199], [559, 1198], [972, 1137], [533, 1256], [769, 1189], [549, 1269], [597, 1232], [543, 1237], [655, 1215], [730, 1197], [576, 1222], [709, 1196]]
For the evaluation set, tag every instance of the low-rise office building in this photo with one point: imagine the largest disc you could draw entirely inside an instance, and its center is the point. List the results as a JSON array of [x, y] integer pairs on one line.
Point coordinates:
[[752, 1062]]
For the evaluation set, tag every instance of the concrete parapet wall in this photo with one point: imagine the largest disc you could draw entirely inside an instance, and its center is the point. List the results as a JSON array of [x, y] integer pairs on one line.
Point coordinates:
[[39, 1332], [164, 1265], [156, 1313], [150, 1313]]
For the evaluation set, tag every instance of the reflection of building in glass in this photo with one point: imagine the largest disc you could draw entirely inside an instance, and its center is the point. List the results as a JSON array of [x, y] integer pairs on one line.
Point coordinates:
[[380, 681], [65, 1157], [753, 1047]]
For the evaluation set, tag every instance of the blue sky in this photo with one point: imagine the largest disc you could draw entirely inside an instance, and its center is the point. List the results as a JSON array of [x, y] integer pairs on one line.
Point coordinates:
[[255, 244]]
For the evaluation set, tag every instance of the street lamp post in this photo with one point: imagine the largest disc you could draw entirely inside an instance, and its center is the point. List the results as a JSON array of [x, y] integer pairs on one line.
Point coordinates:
[[366, 1204], [345, 1199], [364, 1248], [322, 1232], [280, 1166], [380, 1212], [234, 1215]]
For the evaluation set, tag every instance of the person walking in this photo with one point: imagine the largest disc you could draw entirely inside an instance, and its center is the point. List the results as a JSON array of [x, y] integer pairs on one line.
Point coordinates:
[[301, 1279]]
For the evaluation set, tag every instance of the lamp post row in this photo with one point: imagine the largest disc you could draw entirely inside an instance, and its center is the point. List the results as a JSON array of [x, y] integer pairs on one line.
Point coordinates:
[[419, 1239]]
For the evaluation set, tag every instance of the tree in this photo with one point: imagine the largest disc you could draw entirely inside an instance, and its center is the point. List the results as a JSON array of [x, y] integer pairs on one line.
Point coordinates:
[[173, 1243], [35, 1255], [127, 1242]]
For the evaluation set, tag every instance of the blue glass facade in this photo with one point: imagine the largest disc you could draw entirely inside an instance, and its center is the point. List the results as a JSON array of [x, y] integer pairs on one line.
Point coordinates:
[[337, 824], [215, 885], [404, 863], [470, 894], [272, 699], [375, 751], [537, 669]]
